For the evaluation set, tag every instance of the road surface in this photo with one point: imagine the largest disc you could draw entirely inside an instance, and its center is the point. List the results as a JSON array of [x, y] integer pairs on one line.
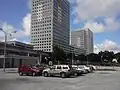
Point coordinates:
[[100, 80]]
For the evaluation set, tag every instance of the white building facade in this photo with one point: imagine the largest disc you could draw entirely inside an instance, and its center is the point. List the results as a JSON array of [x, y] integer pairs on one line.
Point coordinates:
[[50, 24], [83, 39]]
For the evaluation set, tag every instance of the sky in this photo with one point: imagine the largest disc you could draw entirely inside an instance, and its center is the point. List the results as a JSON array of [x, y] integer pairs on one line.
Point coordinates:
[[101, 16]]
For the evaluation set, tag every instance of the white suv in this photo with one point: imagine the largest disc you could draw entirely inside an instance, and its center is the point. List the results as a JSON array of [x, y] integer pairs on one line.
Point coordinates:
[[88, 70], [59, 70], [79, 70]]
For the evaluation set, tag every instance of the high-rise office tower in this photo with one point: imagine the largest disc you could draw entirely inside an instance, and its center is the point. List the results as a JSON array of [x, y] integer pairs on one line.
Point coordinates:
[[83, 39], [50, 24]]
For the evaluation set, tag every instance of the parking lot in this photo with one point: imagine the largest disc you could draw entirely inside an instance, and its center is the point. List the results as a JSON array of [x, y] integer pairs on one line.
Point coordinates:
[[99, 80]]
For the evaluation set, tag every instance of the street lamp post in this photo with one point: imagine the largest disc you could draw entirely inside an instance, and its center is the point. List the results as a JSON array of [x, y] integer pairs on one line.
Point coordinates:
[[72, 56], [87, 60], [101, 59], [4, 49], [5, 33]]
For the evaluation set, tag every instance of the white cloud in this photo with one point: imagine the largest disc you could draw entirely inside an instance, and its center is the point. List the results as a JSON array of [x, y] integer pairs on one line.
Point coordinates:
[[109, 25], [26, 42], [7, 28], [107, 45], [90, 9], [94, 26], [14, 39], [27, 24], [20, 34]]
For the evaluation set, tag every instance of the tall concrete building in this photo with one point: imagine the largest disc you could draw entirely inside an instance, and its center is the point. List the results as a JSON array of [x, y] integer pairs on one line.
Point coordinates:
[[83, 39], [50, 24]]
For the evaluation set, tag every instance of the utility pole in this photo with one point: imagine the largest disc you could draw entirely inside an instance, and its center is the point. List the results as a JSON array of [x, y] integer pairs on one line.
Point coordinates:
[[5, 43], [87, 59], [72, 55], [5, 51], [4, 61]]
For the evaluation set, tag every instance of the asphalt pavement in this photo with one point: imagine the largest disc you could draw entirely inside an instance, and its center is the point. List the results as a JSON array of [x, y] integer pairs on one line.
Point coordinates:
[[99, 80]]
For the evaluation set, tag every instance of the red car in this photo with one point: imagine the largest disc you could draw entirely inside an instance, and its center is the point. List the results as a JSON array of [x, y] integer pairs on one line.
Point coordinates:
[[29, 70]]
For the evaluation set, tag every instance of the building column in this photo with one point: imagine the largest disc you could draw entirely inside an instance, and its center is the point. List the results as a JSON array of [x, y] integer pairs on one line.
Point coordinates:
[[20, 62], [12, 63], [28, 54], [39, 59]]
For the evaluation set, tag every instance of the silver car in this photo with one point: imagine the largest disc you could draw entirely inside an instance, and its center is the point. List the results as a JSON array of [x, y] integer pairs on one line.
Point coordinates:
[[59, 70]]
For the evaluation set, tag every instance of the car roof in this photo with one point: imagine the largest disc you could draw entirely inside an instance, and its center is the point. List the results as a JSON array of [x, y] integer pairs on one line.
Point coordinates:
[[81, 66], [62, 65], [74, 66]]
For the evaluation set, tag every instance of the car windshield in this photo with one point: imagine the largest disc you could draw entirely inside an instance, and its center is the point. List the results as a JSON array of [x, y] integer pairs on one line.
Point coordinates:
[[81, 66], [65, 67], [52, 67], [74, 67]]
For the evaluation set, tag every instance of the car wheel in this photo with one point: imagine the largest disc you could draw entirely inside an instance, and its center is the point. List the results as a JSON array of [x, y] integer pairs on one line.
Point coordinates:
[[75, 74], [33, 74], [45, 74], [20, 73], [63, 75]]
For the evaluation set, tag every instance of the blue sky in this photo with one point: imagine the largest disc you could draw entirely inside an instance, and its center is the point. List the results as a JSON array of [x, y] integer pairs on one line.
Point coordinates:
[[13, 11], [104, 21]]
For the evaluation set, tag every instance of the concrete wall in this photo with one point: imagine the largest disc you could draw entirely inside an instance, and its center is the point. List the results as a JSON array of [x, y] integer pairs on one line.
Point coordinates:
[[14, 63]]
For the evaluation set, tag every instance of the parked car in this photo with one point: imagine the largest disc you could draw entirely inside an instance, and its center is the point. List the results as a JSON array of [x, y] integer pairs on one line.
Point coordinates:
[[93, 67], [78, 69], [83, 69], [60, 70], [29, 70], [42, 66], [87, 69]]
